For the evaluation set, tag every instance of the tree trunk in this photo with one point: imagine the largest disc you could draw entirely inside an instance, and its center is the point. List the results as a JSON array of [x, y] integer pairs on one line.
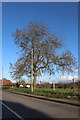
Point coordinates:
[[34, 82]]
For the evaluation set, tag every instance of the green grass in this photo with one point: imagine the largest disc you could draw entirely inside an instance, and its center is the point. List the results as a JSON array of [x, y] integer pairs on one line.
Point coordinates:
[[59, 92], [23, 90]]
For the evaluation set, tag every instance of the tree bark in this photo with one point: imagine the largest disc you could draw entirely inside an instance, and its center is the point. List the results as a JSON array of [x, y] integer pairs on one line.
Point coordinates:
[[34, 82]]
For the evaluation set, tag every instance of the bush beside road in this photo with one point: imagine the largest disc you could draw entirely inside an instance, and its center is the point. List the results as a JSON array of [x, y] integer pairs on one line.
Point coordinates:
[[58, 93]]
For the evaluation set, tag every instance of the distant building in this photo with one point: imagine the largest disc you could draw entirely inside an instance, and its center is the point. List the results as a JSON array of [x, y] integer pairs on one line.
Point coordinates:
[[21, 86], [5, 82], [28, 85]]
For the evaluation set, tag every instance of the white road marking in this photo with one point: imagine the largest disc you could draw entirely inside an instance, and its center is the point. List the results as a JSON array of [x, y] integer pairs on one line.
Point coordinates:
[[12, 111]]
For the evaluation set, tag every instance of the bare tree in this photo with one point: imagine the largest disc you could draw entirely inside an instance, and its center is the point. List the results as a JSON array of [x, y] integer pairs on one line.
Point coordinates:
[[47, 55]]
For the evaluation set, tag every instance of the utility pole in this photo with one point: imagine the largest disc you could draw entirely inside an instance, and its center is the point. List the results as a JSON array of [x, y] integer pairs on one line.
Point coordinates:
[[2, 72], [32, 74], [73, 84], [2, 76]]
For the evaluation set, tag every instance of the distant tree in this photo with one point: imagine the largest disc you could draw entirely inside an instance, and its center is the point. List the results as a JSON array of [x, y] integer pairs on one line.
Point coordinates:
[[17, 84], [46, 85], [22, 82], [46, 52]]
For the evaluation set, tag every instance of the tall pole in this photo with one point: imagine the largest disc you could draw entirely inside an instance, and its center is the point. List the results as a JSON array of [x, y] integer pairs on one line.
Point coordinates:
[[2, 72], [32, 74], [73, 84], [2, 77]]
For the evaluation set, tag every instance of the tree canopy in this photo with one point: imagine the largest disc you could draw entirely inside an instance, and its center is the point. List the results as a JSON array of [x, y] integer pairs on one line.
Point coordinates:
[[46, 52]]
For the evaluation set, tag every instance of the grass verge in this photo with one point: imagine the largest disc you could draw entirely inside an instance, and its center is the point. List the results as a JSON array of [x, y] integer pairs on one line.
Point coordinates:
[[58, 93]]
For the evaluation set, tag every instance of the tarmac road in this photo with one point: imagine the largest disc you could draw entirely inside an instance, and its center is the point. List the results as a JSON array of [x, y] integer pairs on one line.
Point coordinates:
[[18, 106]]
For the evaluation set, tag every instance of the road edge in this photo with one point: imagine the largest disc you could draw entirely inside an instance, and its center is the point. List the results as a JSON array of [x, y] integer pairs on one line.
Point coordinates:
[[64, 101]]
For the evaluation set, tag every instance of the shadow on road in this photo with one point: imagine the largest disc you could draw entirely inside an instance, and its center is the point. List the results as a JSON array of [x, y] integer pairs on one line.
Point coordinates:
[[23, 111]]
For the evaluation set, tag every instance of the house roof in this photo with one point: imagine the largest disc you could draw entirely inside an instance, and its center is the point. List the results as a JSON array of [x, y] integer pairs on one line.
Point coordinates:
[[5, 82]]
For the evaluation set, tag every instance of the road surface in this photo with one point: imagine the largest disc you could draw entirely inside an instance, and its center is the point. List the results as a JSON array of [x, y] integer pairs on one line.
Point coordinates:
[[18, 106]]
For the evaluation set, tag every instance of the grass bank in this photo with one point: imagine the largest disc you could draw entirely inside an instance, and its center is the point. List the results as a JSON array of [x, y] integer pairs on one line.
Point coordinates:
[[59, 92]]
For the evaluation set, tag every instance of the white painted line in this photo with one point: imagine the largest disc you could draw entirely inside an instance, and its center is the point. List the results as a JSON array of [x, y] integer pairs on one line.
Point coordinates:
[[12, 111]]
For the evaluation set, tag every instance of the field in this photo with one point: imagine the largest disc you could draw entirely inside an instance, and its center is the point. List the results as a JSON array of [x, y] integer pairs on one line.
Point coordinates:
[[59, 92]]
